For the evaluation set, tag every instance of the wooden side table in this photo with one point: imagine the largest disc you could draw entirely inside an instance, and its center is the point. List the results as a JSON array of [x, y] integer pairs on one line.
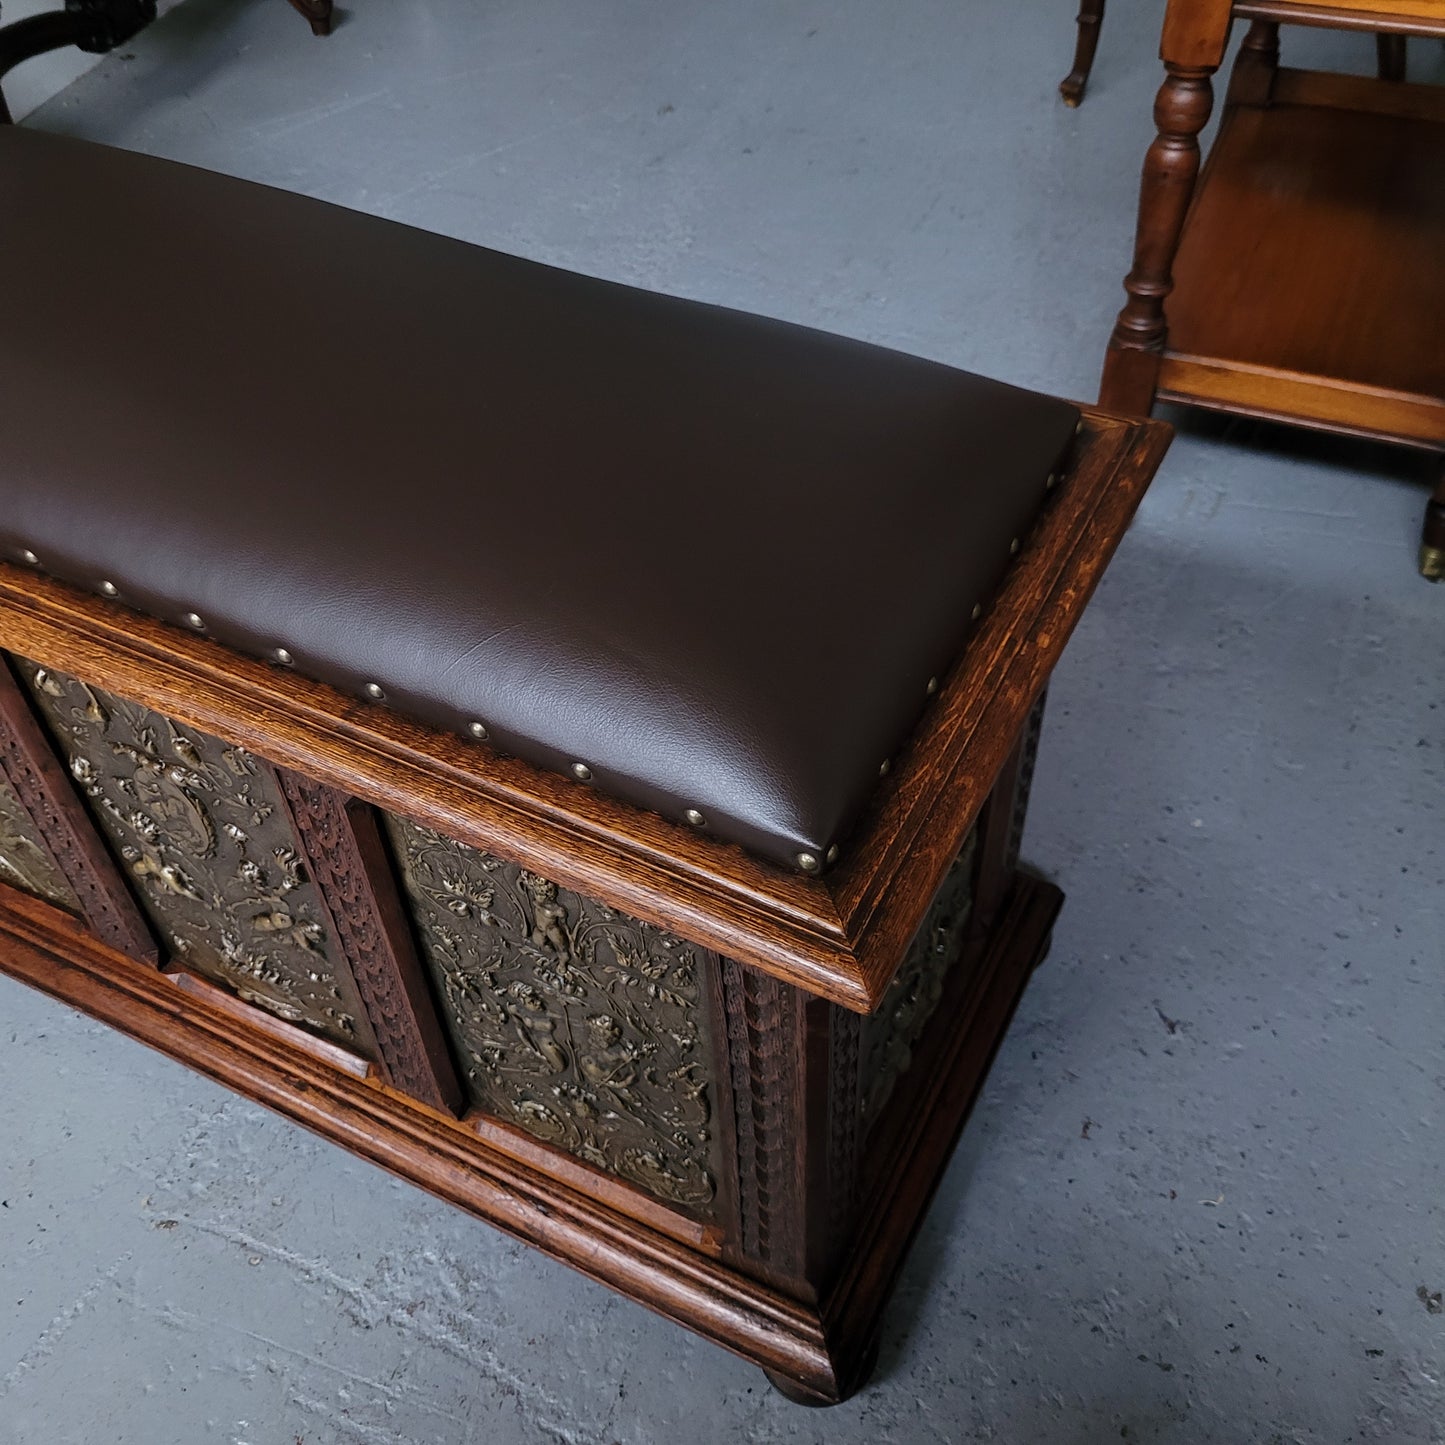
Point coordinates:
[[1390, 50], [1302, 266]]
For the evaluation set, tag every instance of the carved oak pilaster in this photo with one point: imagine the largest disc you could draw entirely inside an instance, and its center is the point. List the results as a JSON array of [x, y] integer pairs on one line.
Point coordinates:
[[765, 1028], [25, 861], [844, 1114], [343, 850]]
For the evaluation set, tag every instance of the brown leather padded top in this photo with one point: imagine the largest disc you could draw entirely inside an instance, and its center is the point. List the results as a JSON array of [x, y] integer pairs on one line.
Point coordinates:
[[712, 558]]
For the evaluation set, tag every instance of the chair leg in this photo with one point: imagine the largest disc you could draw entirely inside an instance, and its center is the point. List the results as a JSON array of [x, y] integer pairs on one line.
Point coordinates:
[[95, 27], [318, 12], [1391, 52], [1432, 537], [1091, 18]]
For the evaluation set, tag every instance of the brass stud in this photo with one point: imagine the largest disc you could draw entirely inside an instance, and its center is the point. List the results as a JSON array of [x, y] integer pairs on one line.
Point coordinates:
[[1052, 482], [282, 657], [977, 611], [1013, 547], [808, 862], [932, 686], [478, 731], [29, 558], [109, 589], [695, 818], [194, 620], [884, 767], [582, 772], [832, 854], [1079, 427], [376, 692]]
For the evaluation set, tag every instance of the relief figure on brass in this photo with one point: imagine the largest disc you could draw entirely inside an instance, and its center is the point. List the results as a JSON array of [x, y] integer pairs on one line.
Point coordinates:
[[572, 1021], [202, 832], [890, 1035], [24, 862]]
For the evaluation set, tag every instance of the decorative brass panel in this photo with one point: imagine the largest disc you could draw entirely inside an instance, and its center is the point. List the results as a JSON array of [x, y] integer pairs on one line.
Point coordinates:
[[24, 862], [202, 831], [572, 1021], [890, 1035]]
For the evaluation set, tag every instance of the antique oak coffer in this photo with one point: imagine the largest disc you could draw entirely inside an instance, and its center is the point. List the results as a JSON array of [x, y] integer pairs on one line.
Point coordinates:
[[564, 744]]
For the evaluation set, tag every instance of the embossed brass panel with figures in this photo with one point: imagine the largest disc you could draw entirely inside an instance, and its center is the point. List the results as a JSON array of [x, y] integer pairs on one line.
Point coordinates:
[[205, 838], [890, 1035], [583, 1026], [24, 861]]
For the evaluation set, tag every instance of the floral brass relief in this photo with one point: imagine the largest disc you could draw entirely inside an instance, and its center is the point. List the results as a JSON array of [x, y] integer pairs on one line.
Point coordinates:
[[574, 1022], [24, 863], [201, 830], [890, 1035]]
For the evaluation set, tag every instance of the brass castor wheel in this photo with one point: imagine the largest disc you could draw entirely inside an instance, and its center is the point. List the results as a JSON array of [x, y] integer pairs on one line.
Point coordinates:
[[1071, 87], [1432, 538]]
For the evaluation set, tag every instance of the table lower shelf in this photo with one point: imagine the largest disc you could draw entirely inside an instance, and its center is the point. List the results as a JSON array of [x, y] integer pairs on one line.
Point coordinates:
[[1309, 285]]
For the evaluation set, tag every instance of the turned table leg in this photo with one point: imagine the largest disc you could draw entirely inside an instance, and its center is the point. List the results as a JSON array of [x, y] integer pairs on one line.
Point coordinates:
[[1432, 536], [1131, 367], [1390, 50], [1257, 65], [1091, 18]]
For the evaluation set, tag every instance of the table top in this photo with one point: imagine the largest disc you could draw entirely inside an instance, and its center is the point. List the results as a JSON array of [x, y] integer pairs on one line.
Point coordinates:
[[1413, 17]]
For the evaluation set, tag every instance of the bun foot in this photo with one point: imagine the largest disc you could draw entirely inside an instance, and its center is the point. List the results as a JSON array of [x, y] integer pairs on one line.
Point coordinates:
[[801, 1394]]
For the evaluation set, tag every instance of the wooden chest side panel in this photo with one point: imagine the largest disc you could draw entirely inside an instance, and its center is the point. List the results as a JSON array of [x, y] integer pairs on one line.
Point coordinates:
[[205, 838], [582, 1026], [890, 1036]]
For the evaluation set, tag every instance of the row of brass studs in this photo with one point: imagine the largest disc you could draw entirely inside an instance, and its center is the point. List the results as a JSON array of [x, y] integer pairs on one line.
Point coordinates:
[[375, 692]]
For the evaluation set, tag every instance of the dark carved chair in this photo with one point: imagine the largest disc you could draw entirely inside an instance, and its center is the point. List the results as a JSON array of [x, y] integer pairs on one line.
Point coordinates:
[[1391, 49], [98, 26]]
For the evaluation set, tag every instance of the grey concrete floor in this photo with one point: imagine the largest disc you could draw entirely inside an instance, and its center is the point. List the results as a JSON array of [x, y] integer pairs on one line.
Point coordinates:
[[1200, 1199]]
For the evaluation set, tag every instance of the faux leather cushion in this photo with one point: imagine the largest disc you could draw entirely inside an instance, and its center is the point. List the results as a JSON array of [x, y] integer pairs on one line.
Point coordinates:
[[714, 558]]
